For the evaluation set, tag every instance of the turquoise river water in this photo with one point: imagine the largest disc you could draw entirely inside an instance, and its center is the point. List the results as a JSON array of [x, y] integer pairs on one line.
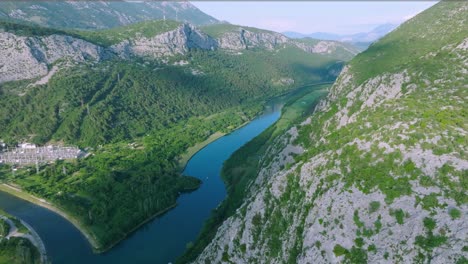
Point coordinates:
[[164, 238]]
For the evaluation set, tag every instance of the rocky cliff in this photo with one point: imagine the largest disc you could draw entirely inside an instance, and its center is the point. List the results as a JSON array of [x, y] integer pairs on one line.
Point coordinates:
[[31, 55], [177, 41], [246, 39], [378, 174], [236, 38], [28, 57]]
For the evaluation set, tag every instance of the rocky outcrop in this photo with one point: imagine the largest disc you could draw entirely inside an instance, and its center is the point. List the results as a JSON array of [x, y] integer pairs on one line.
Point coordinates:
[[29, 57], [178, 41], [24, 57], [245, 39], [378, 173], [324, 47]]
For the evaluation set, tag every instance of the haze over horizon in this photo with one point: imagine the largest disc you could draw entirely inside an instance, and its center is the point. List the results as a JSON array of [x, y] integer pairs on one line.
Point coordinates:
[[310, 17]]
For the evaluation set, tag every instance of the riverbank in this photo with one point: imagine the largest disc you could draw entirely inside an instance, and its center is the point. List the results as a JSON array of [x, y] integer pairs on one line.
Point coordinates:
[[184, 158], [36, 240], [43, 203], [242, 166], [94, 243], [21, 229], [136, 228], [29, 233]]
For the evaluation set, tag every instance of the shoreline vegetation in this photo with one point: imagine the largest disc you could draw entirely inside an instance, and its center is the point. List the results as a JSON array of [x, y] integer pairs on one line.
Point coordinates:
[[22, 230], [288, 96], [298, 104], [4, 187], [191, 151], [94, 242], [17, 192], [183, 160]]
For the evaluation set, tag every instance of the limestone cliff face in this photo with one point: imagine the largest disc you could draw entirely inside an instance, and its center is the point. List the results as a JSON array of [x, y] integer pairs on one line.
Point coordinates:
[[245, 39], [29, 57], [178, 41], [324, 47], [378, 173], [24, 57]]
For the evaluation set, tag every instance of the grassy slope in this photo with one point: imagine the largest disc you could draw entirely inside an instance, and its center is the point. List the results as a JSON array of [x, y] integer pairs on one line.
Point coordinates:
[[16, 249], [402, 48], [105, 37], [148, 29]]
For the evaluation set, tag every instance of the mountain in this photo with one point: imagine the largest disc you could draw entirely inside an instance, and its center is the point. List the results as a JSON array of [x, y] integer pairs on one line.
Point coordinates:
[[32, 52], [136, 98], [234, 38], [99, 14], [361, 40], [377, 174]]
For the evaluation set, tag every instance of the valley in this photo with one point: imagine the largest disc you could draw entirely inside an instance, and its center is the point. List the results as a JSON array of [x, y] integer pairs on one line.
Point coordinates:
[[197, 205], [136, 104], [156, 133]]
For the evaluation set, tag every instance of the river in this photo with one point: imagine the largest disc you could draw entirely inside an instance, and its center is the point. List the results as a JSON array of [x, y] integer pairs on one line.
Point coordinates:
[[161, 240]]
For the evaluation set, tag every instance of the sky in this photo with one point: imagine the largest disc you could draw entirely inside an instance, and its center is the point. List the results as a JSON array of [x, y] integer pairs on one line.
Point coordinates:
[[340, 17]]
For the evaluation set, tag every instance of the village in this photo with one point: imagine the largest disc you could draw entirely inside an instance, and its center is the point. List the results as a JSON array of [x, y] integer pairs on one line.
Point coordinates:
[[30, 154]]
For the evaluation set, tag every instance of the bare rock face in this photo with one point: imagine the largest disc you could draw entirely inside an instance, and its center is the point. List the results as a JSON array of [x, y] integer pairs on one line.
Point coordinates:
[[29, 57], [323, 47], [242, 39], [178, 41], [18, 61], [245, 39], [24, 58]]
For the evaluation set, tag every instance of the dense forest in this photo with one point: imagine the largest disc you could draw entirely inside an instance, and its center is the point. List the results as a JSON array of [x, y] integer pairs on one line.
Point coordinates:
[[116, 100], [135, 118]]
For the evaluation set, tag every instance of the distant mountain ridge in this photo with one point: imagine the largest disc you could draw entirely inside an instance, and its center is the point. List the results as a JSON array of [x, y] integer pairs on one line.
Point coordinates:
[[32, 51], [145, 92], [100, 14], [361, 40]]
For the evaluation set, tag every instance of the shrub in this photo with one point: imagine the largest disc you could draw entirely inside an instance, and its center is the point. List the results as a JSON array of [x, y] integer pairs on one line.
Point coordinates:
[[454, 213], [374, 206], [339, 250]]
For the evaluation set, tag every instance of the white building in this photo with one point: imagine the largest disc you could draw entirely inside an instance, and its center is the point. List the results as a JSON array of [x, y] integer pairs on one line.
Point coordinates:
[[27, 146]]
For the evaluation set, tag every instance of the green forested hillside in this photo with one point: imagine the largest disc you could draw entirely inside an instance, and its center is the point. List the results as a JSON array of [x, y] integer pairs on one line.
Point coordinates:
[[136, 117], [378, 173], [103, 37], [117, 100]]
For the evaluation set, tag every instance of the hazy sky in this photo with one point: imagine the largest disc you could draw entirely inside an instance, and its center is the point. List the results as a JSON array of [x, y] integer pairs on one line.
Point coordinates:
[[341, 17]]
